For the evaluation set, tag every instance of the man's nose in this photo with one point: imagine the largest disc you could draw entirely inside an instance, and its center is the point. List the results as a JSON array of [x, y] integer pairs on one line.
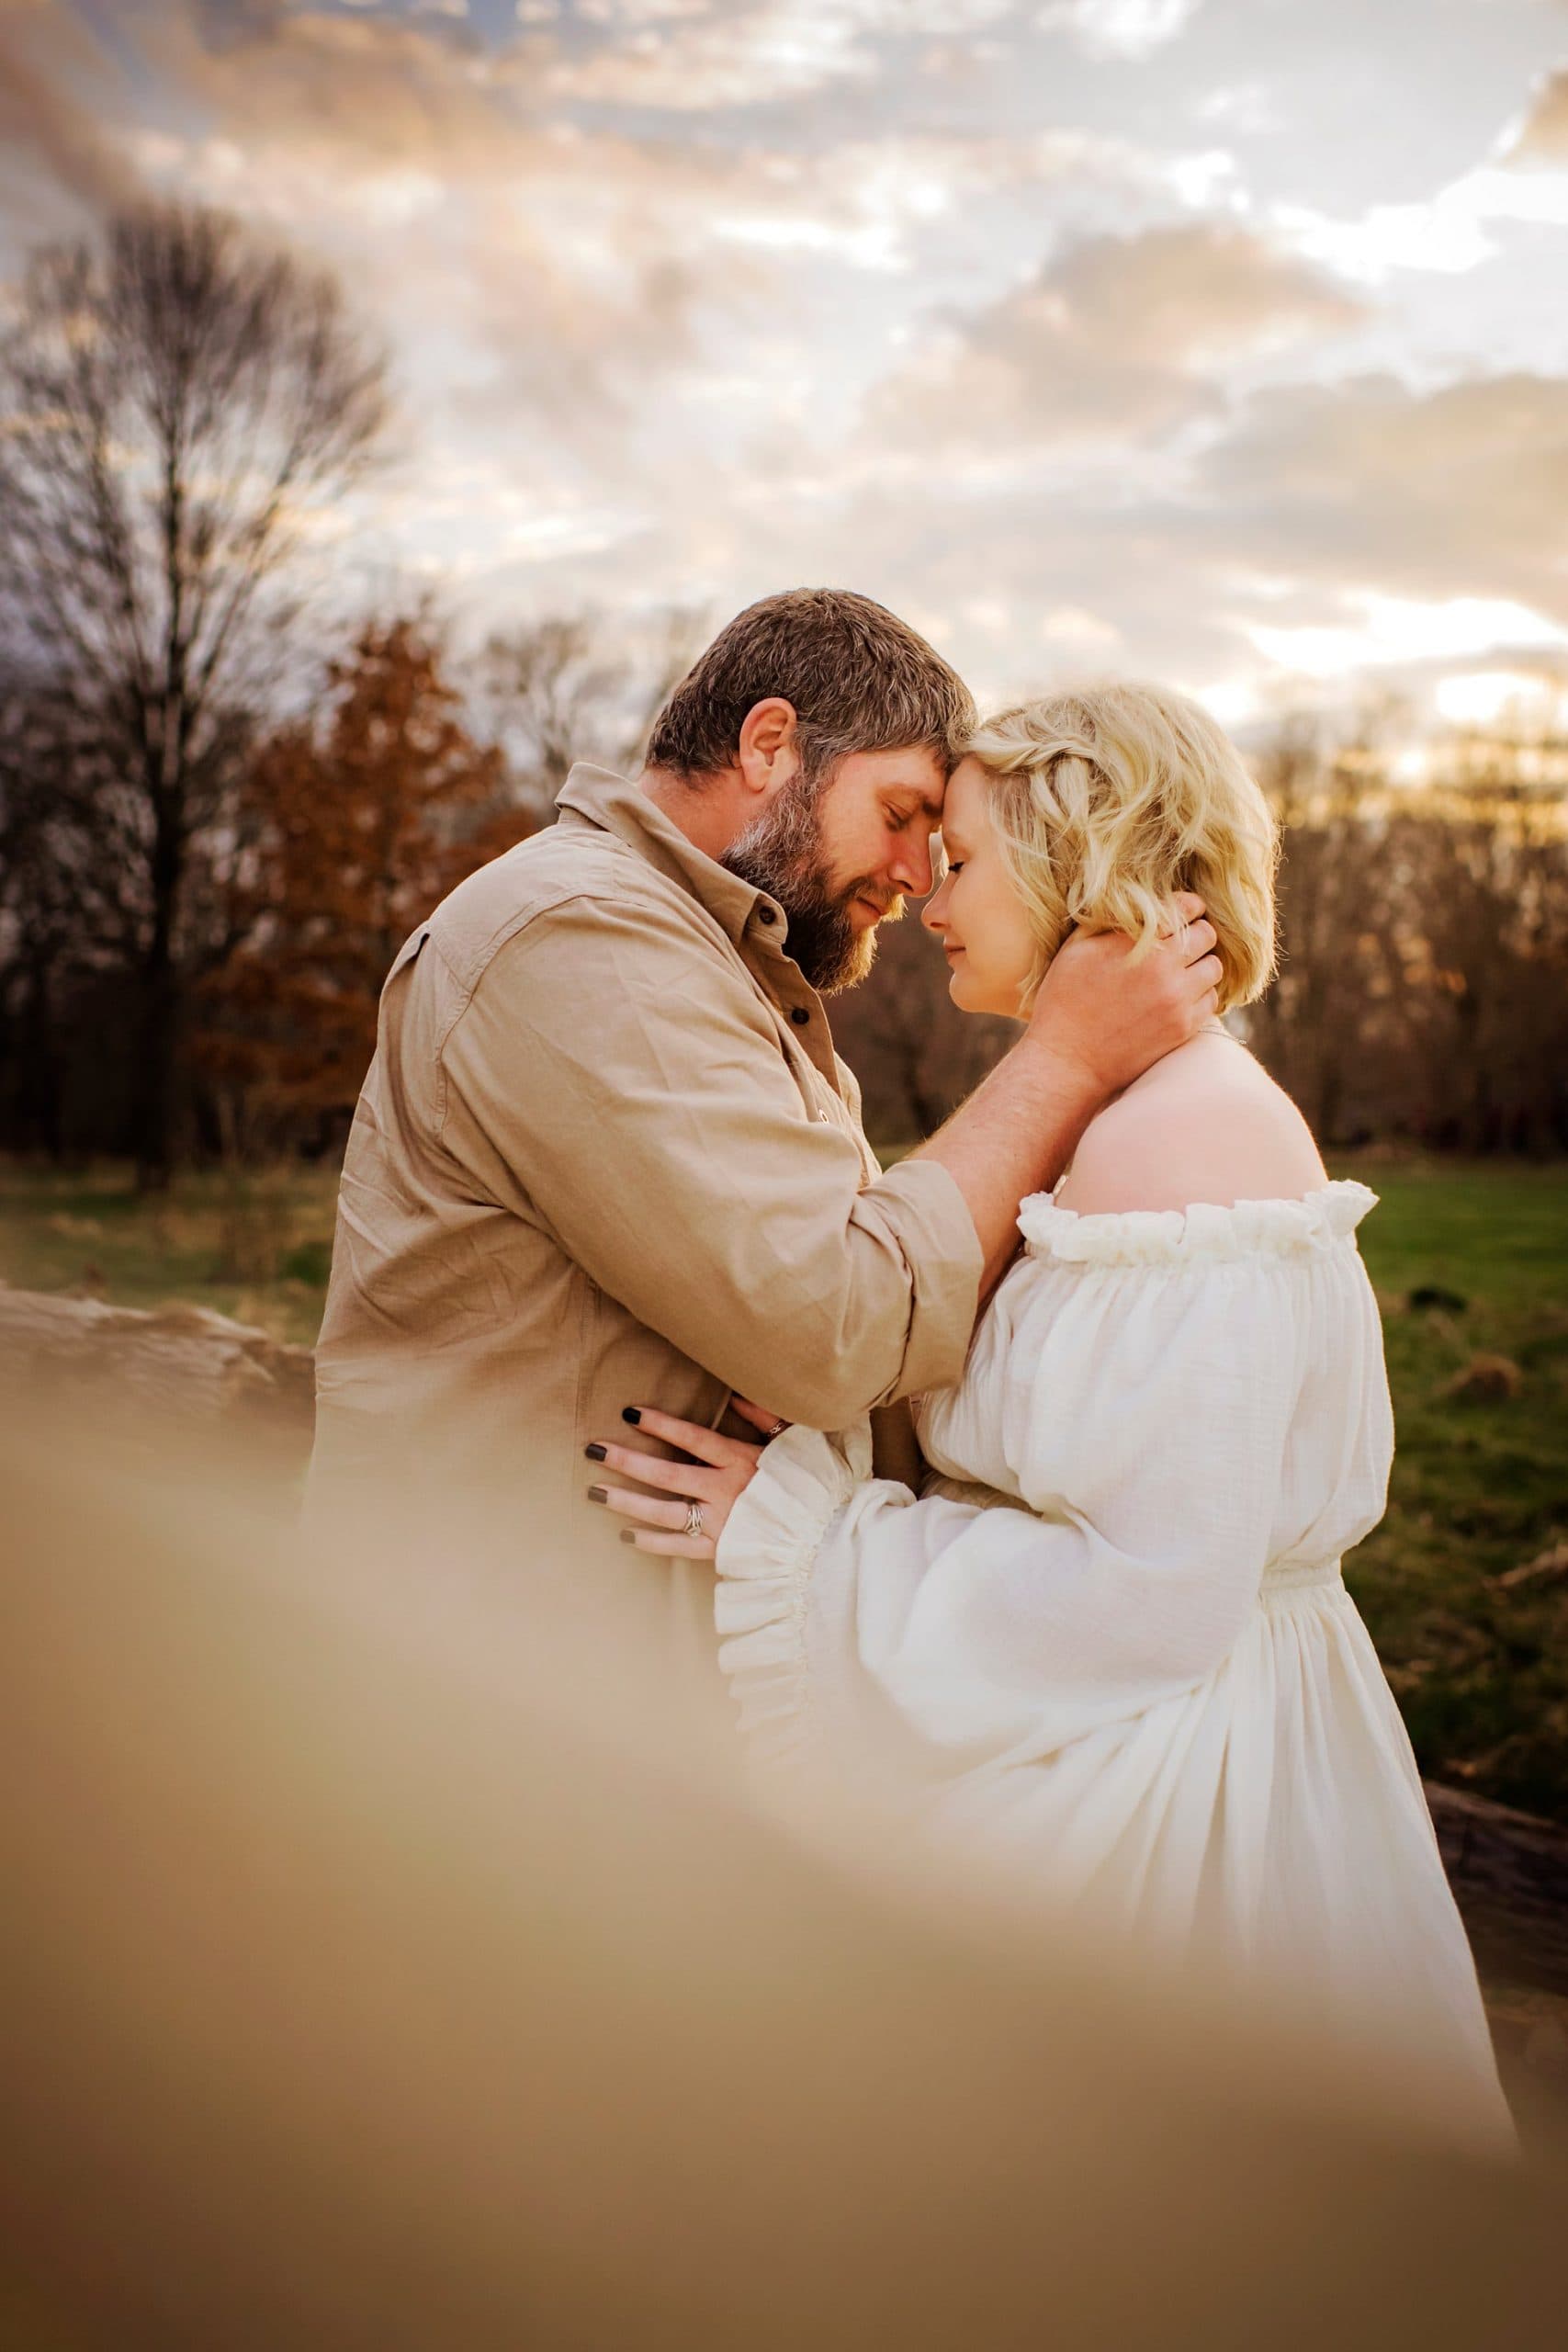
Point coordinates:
[[911, 869]]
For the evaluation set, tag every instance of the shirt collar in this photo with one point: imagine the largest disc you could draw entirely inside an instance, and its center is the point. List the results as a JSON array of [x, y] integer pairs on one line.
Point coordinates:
[[597, 797]]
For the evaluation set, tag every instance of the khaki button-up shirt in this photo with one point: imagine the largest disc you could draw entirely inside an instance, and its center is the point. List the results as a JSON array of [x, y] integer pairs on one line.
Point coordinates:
[[605, 1155]]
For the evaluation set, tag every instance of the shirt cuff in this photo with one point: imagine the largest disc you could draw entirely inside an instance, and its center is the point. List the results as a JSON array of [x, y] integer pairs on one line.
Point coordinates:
[[921, 1209]]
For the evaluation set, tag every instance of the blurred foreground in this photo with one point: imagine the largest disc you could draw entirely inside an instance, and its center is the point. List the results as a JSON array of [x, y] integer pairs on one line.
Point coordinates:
[[391, 1958], [1465, 1584]]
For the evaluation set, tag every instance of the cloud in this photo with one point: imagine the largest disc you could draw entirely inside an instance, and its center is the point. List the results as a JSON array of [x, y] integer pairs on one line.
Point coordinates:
[[1125, 29], [691, 296], [1371, 486], [363, 93], [537, 275], [1448, 233], [51, 101], [1195, 292], [690, 56], [550, 278], [1114, 342]]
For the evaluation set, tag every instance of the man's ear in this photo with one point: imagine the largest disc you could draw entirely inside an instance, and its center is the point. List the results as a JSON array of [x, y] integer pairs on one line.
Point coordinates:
[[768, 757]]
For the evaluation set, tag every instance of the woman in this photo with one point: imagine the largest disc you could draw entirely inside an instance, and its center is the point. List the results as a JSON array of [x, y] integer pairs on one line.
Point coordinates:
[[1113, 1631]]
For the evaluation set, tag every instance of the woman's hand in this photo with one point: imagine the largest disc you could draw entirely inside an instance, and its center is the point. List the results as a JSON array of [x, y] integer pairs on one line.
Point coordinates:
[[687, 1518]]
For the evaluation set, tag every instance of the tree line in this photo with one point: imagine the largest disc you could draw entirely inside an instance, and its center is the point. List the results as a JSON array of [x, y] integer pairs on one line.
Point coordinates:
[[1423, 985], [214, 835]]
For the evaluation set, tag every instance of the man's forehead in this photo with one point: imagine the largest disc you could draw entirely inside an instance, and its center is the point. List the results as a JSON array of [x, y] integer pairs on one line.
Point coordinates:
[[960, 800], [917, 770]]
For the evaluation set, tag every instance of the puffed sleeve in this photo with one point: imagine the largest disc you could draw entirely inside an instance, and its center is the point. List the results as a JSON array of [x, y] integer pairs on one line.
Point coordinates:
[[1139, 1402]]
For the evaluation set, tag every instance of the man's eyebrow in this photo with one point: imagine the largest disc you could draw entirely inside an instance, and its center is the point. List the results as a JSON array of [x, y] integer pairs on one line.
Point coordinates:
[[923, 801]]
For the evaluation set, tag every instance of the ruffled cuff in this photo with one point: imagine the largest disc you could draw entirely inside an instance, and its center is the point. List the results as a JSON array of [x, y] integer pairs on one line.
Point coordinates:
[[764, 1559]]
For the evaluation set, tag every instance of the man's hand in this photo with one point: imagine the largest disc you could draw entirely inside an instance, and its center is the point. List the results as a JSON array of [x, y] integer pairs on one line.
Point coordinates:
[[1112, 1017], [1098, 1024]]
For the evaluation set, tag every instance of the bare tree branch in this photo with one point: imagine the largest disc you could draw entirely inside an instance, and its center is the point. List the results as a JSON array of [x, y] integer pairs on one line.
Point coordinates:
[[174, 407]]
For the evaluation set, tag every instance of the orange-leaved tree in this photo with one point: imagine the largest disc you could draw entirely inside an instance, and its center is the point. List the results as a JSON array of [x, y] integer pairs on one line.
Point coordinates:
[[353, 824]]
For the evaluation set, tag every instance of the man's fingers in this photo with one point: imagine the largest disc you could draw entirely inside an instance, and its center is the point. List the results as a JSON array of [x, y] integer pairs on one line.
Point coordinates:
[[1197, 940], [1187, 906], [1208, 974]]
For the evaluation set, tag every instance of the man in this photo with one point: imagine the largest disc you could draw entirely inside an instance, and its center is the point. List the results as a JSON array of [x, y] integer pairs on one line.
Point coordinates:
[[605, 1154]]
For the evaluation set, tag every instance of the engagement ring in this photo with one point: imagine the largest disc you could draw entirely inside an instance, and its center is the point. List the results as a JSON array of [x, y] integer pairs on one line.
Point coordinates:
[[694, 1519]]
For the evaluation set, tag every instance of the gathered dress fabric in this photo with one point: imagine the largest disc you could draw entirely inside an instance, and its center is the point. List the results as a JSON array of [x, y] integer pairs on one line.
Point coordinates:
[[1111, 1639]]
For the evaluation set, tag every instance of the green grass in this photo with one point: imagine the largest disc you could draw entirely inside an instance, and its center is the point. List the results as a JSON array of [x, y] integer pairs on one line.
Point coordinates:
[[257, 1246], [1479, 1488]]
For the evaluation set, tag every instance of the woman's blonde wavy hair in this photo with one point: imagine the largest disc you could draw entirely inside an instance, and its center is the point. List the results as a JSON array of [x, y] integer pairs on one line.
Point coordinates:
[[1108, 799]]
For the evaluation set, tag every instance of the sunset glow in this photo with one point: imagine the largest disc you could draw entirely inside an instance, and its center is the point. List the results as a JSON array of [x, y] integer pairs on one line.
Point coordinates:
[[1181, 336]]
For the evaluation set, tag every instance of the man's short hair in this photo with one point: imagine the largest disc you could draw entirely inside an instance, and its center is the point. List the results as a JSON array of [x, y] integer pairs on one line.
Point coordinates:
[[859, 679]]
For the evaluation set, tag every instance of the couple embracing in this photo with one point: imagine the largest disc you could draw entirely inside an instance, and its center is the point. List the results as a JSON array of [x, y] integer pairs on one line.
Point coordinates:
[[613, 1252]]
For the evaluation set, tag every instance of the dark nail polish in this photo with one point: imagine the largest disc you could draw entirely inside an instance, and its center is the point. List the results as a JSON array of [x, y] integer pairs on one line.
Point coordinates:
[[595, 1454], [627, 1536], [631, 1413], [597, 1495]]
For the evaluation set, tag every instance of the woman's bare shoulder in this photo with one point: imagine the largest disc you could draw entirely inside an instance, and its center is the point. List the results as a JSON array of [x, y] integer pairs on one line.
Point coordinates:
[[1209, 1124]]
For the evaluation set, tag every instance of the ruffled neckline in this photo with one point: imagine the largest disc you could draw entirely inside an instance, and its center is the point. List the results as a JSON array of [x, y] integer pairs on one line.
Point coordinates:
[[1159, 1237]]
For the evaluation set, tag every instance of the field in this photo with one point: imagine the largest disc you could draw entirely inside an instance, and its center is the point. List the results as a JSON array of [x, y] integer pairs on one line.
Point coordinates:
[[1465, 1585]]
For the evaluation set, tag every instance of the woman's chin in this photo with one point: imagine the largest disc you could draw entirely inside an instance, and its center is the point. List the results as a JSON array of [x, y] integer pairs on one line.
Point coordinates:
[[970, 997]]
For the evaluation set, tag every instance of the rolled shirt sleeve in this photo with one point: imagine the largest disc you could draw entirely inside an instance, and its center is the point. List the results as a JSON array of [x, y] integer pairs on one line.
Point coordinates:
[[615, 1079]]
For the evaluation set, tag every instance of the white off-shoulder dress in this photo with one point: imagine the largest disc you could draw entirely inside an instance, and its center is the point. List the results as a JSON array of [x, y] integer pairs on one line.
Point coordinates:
[[1114, 1635]]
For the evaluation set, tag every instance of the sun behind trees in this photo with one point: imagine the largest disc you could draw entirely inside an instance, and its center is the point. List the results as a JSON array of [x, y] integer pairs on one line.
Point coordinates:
[[355, 824], [1423, 988]]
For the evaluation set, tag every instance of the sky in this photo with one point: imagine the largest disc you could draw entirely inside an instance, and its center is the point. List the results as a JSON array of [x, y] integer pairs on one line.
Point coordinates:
[[1219, 340]]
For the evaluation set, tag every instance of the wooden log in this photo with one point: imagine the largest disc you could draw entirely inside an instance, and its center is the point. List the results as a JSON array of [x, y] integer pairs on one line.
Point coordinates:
[[184, 1364], [1510, 1875]]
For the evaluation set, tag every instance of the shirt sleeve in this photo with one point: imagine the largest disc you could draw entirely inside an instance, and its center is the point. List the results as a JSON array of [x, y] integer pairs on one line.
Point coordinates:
[[1146, 1424], [613, 1078]]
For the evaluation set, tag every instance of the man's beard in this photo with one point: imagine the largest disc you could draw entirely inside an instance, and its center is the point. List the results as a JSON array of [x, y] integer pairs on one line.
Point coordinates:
[[782, 853]]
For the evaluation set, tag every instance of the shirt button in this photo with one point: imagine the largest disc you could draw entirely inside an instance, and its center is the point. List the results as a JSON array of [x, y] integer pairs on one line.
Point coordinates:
[[800, 1016]]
